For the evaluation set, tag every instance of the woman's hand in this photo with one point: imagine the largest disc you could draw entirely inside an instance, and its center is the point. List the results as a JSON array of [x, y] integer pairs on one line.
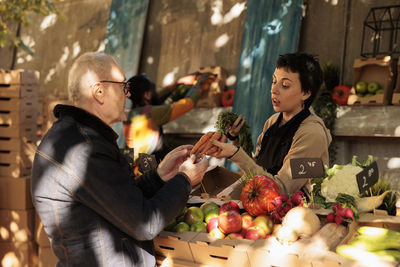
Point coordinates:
[[225, 150], [234, 129]]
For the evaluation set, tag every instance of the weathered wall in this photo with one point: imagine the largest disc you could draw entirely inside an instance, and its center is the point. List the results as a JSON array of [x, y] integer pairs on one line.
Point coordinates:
[[333, 29], [181, 37], [57, 42]]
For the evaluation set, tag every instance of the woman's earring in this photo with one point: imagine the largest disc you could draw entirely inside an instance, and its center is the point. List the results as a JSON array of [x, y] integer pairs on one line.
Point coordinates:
[[302, 106]]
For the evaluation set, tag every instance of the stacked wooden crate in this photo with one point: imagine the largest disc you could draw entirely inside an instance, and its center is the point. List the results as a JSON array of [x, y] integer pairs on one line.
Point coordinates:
[[18, 135]]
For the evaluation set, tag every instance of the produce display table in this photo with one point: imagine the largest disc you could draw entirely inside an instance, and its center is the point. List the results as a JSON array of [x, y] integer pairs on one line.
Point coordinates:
[[201, 249]]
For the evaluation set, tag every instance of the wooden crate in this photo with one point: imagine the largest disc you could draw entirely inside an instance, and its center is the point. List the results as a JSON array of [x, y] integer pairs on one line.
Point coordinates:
[[396, 91], [379, 69], [16, 225], [14, 164], [20, 76], [19, 123], [210, 251], [15, 193], [19, 104], [174, 245], [21, 254]]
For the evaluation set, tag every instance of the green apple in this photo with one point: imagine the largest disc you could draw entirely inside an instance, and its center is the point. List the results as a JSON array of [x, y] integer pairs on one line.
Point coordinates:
[[181, 227], [181, 216], [211, 213], [198, 227], [373, 86], [380, 91], [171, 225], [361, 87], [194, 214], [369, 95], [206, 206]]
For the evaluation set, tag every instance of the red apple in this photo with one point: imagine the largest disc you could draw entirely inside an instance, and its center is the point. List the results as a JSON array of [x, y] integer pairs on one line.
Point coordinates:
[[234, 236], [230, 222], [216, 232], [265, 223], [247, 221], [252, 233], [212, 223], [227, 206]]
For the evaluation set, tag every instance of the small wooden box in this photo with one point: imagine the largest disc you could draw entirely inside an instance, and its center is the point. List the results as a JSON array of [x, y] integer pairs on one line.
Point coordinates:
[[174, 245], [396, 91], [210, 251], [379, 69]]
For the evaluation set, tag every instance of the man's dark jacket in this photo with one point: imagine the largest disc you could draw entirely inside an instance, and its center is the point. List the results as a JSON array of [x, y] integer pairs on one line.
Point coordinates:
[[93, 210]]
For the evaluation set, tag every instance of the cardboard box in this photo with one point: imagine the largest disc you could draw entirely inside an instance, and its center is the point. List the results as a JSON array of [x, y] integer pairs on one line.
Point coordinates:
[[379, 69], [211, 97], [216, 181], [370, 219], [21, 254], [41, 237], [173, 245], [396, 92], [16, 225], [269, 252], [14, 164], [219, 252], [15, 193], [46, 256], [20, 76], [16, 123]]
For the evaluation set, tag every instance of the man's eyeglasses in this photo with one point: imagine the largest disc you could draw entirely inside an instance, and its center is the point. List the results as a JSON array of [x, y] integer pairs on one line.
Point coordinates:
[[125, 88]]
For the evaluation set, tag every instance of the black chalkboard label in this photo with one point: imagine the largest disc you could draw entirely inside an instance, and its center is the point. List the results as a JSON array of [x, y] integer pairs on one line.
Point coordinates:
[[307, 168], [146, 162], [128, 154], [367, 177]]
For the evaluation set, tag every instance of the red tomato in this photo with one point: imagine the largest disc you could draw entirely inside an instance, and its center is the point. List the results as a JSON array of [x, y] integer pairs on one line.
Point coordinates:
[[228, 97], [341, 94], [258, 193]]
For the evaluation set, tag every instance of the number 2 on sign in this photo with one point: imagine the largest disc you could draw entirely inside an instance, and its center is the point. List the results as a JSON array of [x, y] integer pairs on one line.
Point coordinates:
[[302, 171], [365, 182]]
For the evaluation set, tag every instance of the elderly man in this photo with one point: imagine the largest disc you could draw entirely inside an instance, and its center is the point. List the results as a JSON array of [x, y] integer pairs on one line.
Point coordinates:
[[93, 210]]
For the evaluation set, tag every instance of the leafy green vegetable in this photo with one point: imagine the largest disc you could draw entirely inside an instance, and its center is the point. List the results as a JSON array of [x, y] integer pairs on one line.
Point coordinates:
[[226, 118]]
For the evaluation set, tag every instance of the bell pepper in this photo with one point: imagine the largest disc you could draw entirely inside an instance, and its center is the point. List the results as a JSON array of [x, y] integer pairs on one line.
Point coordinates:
[[341, 94], [228, 97]]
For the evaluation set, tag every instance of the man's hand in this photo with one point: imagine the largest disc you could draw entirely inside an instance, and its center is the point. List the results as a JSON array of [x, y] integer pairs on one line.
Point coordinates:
[[194, 170], [169, 166]]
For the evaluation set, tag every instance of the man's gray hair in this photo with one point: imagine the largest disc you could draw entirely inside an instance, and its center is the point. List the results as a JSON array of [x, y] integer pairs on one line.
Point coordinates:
[[90, 62]]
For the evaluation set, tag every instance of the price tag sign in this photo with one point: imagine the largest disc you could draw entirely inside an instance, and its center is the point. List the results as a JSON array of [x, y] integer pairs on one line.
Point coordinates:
[[147, 162], [307, 168], [128, 154], [367, 177]]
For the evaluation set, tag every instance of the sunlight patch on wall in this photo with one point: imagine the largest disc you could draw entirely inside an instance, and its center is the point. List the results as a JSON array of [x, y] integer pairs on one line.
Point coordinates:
[[48, 21], [218, 19], [150, 60], [393, 163], [333, 2], [102, 47], [235, 12], [170, 77], [397, 131], [231, 80], [222, 40], [76, 49]]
